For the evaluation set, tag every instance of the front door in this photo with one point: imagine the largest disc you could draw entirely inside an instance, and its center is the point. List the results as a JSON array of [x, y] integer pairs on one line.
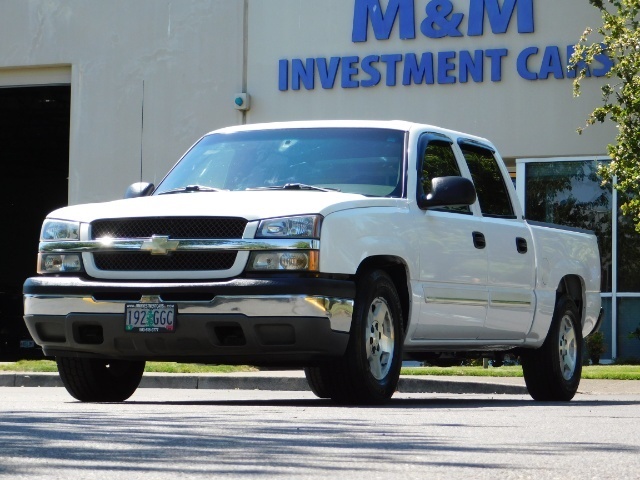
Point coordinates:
[[453, 260]]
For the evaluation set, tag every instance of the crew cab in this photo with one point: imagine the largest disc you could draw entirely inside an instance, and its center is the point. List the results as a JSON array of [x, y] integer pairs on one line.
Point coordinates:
[[340, 247]]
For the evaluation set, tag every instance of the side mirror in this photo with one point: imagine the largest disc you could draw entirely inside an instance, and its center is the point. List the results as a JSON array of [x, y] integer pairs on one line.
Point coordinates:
[[139, 189], [448, 192]]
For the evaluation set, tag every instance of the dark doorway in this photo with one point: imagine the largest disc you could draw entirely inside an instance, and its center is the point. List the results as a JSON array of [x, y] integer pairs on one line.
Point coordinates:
[[34, 168]]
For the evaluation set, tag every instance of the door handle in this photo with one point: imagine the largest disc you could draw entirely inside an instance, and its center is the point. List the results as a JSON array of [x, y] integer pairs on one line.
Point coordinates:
[[521, 245], [478, 240]]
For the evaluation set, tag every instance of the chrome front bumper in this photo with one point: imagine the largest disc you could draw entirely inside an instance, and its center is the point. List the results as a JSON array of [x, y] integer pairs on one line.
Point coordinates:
[[337, 310], [293, 321]]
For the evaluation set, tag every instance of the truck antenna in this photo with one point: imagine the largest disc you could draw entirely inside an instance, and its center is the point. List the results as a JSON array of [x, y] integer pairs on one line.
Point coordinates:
[[141, 128]]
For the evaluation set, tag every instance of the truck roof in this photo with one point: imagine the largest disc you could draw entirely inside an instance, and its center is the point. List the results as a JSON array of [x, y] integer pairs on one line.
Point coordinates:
[[391, 124]]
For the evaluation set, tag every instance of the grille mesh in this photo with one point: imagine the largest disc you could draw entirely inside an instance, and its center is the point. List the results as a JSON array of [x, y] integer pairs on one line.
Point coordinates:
[[144, 261], [174, 227]]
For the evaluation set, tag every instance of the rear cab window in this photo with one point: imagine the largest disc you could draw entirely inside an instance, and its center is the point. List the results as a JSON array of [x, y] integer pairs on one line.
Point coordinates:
[[493, 196]]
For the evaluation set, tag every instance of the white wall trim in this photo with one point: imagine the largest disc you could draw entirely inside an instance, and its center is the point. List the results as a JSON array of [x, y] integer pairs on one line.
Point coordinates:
[[44, 75]]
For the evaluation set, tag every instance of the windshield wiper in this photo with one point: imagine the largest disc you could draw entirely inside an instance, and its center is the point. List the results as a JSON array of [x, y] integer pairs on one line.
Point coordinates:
[[191, 188], [297, 186]]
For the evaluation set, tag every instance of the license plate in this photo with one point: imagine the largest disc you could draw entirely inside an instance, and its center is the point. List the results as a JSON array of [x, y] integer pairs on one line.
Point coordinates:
[[150, 317]]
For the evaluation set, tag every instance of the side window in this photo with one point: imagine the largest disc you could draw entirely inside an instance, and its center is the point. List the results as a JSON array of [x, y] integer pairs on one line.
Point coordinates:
[[492, 192], [440, 161]]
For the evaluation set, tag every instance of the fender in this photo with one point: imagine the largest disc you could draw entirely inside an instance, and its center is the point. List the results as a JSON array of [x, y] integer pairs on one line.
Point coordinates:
[[574, 253], [351, 236]]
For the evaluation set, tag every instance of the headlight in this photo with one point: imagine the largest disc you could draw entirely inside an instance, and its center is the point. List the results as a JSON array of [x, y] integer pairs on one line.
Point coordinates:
[[303, 226], [59, 230], [59, 263], [297, 260]]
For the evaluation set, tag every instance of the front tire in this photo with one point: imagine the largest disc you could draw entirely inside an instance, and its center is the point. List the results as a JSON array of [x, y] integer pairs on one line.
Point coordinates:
[[319, 380], [552, 372], [97, 380], [369, 371]]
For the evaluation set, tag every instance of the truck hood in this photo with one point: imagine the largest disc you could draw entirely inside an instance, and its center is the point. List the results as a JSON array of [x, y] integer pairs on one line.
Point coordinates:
[[253, 205]]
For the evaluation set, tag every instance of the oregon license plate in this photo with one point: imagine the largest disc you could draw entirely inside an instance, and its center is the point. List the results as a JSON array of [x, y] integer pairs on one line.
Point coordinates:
[[150, 317]]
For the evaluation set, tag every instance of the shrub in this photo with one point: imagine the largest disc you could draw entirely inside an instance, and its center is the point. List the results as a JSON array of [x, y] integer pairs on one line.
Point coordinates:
[[595, 347]]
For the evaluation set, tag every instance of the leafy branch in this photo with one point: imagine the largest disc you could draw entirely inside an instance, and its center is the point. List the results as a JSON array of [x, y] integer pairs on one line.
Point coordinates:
[[620, 32]]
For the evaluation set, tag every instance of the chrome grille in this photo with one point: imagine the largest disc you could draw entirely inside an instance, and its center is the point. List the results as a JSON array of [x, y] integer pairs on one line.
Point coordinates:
[[173, 227], [144, 261]]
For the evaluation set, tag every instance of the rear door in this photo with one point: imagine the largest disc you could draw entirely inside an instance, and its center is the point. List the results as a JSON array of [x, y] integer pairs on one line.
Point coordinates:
[[509, 246]]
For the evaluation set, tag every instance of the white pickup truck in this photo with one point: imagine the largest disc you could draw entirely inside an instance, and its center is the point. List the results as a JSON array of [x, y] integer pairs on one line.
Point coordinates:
[[339, 247]]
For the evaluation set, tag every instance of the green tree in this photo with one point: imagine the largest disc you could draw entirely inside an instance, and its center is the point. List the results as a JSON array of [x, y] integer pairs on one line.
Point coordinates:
[[620, 33]]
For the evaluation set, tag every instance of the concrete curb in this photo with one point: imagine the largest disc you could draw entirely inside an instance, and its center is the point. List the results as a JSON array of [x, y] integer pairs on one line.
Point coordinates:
[[270, 381], [295, 381], [429, 385], [30, 380]]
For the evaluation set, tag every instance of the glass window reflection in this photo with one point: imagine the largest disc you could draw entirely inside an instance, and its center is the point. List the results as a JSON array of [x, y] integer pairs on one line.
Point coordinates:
[[572, 194]]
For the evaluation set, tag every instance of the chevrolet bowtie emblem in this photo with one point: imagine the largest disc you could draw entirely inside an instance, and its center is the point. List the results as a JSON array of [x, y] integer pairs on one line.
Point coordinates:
[[160, 245]]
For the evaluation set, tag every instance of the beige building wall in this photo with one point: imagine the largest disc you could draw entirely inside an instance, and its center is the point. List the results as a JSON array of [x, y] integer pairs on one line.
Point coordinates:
[[188, 54], [181, 62], [524, 118]]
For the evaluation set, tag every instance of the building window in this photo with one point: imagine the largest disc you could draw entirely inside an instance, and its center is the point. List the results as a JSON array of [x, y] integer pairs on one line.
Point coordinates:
[[571, 193], [628, 247]]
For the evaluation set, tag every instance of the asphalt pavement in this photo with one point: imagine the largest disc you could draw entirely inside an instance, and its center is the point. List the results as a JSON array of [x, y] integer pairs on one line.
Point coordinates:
[[293, 380]]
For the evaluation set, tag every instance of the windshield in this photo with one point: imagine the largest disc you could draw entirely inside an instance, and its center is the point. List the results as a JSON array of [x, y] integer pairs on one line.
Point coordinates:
[[368, 161]]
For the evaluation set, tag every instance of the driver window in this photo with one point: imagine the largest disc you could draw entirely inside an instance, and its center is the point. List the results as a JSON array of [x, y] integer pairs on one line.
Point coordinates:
[[440, 161]]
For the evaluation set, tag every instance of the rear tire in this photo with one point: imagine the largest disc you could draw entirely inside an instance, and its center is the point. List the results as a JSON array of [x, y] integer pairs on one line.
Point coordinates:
[[552, 372], [368, 372], [97, 380]]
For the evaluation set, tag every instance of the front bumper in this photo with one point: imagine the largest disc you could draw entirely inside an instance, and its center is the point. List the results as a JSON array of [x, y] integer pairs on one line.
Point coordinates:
[[256, 321]]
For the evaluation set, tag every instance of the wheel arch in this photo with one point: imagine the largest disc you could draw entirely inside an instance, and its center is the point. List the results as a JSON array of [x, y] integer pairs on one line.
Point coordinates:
[[398, 270], [573, 287]]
